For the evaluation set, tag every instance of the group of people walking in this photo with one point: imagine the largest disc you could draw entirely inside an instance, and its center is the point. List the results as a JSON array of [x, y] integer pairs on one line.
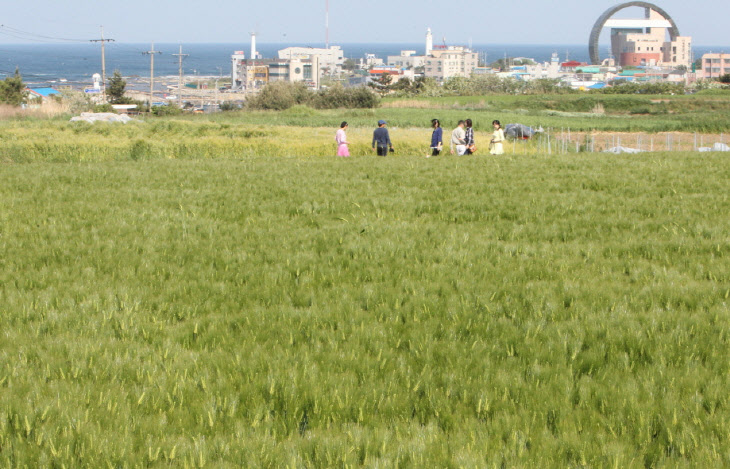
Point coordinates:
[[462, 139]]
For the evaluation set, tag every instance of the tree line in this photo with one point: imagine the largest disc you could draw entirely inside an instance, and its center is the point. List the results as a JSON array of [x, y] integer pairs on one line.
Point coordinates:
[[284, 95]]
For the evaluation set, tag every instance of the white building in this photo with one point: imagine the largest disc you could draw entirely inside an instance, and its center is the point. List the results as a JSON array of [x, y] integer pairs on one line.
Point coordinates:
[[406, 60], [238, 60], [250, 74], [330, 59], [253, 74], [450, 61], [371, 60], [306, 70]]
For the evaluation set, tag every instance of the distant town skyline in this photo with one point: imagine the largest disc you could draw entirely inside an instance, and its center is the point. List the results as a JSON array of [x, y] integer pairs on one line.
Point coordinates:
[[287, 21]]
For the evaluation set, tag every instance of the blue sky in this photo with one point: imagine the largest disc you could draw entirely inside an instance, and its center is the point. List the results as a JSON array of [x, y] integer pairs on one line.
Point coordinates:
[[289, 21]]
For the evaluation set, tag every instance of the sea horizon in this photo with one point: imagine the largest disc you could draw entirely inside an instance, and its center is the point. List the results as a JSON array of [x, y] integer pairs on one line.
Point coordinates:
[[45, 64]]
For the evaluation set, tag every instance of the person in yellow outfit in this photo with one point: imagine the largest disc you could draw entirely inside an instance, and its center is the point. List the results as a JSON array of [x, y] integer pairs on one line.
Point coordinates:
[[495, 146]]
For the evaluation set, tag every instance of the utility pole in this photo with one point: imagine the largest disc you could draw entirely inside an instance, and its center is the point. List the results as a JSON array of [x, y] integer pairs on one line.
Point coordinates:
[[220, 75], [103, 61], [152, 53], [180, 56]]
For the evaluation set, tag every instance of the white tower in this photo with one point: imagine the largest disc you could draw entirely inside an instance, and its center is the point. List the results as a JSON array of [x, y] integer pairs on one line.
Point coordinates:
[[429, 41], [97, 81], [253, 46]]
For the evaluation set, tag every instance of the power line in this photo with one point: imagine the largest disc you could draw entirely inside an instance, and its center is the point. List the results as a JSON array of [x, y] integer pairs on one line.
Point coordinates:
[[121, 45], [22, 37], [20, 34], [24, 75]]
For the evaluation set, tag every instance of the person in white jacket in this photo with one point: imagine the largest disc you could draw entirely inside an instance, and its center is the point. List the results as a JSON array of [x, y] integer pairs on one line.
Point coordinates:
[[458, 139], [495, 146]]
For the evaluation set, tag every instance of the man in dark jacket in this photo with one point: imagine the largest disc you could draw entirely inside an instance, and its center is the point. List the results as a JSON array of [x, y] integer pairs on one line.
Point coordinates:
[[381, 139]]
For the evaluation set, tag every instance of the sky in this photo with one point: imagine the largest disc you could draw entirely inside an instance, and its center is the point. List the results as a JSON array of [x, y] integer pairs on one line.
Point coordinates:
[[350, 21]]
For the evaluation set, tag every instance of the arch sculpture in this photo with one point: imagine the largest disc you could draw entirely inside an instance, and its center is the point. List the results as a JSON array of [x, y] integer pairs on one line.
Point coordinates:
[[596, 31]]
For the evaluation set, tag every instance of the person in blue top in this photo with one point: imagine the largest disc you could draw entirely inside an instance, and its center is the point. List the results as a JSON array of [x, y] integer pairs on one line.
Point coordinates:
[[381, 139], [437, 138]]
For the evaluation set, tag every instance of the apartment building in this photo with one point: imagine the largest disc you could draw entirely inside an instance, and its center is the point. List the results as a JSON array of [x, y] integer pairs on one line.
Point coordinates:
[[450, 61], [715, 65]]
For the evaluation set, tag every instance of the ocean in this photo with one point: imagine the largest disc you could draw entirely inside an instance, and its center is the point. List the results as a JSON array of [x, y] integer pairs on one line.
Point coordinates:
[[46, 64]]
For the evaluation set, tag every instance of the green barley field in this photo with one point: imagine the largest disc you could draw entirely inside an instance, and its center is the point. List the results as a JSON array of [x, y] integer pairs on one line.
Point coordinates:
[[238, 309]]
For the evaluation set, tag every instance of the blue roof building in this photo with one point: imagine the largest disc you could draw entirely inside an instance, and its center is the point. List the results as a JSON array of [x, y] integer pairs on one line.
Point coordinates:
[[43, 92]]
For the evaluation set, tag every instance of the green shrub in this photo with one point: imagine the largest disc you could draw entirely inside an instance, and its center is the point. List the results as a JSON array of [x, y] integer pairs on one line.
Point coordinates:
[[280, 95], [166, 110], [714, 92], [481, 85], [12, 90], [230, 106], [106, 107], [338, 96], [620, 87]]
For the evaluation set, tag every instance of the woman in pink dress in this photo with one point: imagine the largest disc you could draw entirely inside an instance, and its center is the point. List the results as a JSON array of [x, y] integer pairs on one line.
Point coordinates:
[[341, 139]]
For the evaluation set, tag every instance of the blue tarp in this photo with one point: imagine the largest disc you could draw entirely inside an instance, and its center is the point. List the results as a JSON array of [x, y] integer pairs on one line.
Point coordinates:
[[45, 92], [520, 131]]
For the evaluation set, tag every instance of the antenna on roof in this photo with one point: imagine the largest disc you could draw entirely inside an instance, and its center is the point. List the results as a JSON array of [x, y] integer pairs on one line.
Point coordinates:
[[327, 24]]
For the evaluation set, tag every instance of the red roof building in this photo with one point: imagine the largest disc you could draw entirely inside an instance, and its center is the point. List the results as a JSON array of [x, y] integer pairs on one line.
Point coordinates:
[[572, 65], [380, 71]]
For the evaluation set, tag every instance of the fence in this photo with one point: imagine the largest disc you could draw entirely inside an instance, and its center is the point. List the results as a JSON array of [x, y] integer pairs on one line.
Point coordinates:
[[561, 141]]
